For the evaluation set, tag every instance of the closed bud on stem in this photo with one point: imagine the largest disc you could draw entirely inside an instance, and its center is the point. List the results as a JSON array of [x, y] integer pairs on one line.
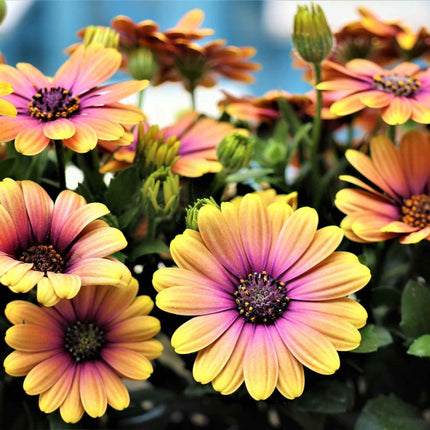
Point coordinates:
[[235, 150], [160, 193], [3, 10], [108, 37], [154, 150], [312, 37], [193, 212], [142, 63]]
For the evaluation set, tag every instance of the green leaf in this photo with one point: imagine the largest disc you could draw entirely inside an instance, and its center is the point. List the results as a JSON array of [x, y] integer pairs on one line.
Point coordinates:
[[329, 397], [369, 340], [125, 219], [415, 309], [153, 246], [388, 296], [122, 188], [383, 335], [389, 413], [420, 346]]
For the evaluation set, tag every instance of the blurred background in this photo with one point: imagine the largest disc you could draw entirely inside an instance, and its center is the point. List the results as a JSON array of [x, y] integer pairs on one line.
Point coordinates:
[[38, 31]]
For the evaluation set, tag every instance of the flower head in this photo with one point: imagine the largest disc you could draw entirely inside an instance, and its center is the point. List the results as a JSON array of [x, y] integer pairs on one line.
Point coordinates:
[[401, 93], [58, 246], [268, 294], [6, 108], [397, 204], [74, 354], [71, 106]]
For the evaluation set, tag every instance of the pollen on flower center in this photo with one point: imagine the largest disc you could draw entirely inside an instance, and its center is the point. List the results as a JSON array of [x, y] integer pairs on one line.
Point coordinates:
[[260, 298], [83, 341], [416, 211], [53, 103], [395, 84], [44, 258]]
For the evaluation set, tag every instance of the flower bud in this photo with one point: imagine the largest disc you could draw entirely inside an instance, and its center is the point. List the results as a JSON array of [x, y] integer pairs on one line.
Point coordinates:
[[108, 37], [312, 37], [160, 193], [3, 10], [193, 212], [142, 63], [235, 151]]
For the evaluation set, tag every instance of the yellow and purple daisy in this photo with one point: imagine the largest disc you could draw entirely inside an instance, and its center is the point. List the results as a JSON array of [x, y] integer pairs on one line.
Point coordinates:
[[6, 108], [74, 354], [58, 246], [71, 106], [268, 294], [397, 203], [402, 93]]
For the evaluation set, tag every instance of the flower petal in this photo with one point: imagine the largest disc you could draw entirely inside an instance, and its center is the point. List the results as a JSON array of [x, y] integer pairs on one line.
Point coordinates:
[[92, 390], [72, 410], [416, 236], [9, 238], [65, 285], [398, 112], [59, 129], [376, 99], [33, 338], [347, 105], [83, 140], [19, 363], [46, 293], [31, 141], [133, 330]]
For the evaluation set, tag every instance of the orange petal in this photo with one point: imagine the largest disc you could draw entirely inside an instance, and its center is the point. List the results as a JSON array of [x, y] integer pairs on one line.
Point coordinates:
[[398, 112], [31, 141], [83, 140], [347, 105], [92, 390], [376, 99], [72, 410]]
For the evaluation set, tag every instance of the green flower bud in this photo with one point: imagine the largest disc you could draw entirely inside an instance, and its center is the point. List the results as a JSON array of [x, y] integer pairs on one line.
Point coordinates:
[[154, 150], [160, 193], [142, 63], [312, 37], [108, 37], [193, 212], [3, 10], [235, 151]]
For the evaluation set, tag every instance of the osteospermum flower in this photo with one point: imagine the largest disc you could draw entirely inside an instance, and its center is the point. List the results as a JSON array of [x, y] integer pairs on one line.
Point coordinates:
[[71, 106], [199, 137], [6, 108], [270, 196], [58, 246], [397, 204], [268, 294], [74, 354], [401, 93]]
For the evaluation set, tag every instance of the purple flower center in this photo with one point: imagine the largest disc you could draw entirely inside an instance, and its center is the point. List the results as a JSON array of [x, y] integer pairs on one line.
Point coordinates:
[[44, 258], [395, 84], [260, 298], [50, 104], [83, 341], [416, 211]]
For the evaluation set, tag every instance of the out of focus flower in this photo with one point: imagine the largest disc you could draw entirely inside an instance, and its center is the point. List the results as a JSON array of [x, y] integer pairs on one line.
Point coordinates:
[[191, 219], [198, 65], [270, 196], [57, 246], [74, 354], [71, 106], [98, 34], [235, 151], [188, 27], [312, 37], [268, 294], [199, 137], [398, 202], [6, 108], [414, 45], [401, 93]]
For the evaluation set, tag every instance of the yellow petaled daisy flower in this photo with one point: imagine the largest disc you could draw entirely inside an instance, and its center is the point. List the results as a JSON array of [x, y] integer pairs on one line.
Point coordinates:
[[268, 294], [270, 196], [58, 246], [398, 202], [6, 108], [74, 354]]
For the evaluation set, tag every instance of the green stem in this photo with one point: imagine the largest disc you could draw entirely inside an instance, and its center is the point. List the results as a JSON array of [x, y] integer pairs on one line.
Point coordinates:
[[392, 133], [218, 181], [316, 129], [61, 165], [350, 140], [140, 100]]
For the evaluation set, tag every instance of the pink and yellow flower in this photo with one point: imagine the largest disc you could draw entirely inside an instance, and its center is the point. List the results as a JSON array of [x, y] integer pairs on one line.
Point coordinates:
[[199, 137], [74, 355], [397, 204], [270, 196], [71, 106], [268, 294], [58, 246], [401, 93], [6, 108]]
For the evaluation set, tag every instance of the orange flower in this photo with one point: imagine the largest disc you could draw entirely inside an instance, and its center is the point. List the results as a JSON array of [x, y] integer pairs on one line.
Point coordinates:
[[71, 106], [398, 203], [74, 354], [187, 27], [401, 93]]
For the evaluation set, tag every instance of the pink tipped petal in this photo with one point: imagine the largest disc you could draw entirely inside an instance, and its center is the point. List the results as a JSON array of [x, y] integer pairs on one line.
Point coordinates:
[[104, 129], [398, 112], [342, 84], [364, 67], [31, 141], [416, 236], [255, 231], [9, 238], [376, 99], [296, 235], [406, 69], [66, 75], [83, 140], [20, 84], [119, 113], [212, 359], [308, 346], [201, 331], [92, 390], [386, 159], [33, 75]]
